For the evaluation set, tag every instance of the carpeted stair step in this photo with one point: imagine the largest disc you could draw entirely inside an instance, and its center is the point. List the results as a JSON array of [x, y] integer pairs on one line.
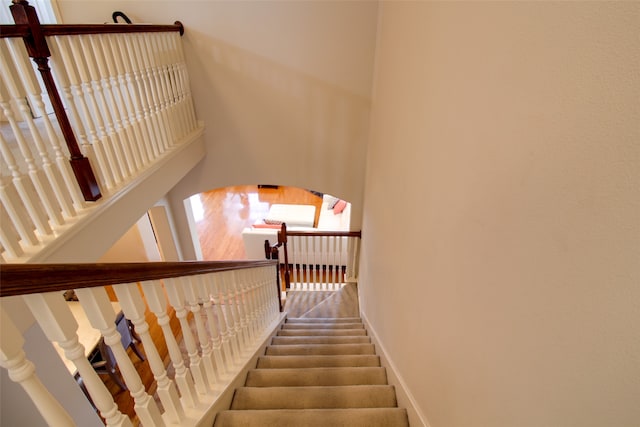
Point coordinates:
[[353, 360], [352, 396], [321, 332], [297, 377], [323, 326], [324, 320], [360, 417], [319, 349], [320, 340]]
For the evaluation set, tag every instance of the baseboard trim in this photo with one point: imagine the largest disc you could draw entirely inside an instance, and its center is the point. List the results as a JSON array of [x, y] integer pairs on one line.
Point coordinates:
[[405, 398]]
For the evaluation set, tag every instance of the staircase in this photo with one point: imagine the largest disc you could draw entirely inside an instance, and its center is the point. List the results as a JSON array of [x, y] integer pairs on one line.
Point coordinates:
[[318, 371]]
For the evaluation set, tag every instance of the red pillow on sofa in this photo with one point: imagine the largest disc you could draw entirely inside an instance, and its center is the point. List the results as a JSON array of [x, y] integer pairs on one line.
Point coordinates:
[[339, 207]]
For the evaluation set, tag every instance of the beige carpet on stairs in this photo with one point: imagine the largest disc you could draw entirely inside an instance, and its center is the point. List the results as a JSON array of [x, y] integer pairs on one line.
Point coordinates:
[[319, 370]]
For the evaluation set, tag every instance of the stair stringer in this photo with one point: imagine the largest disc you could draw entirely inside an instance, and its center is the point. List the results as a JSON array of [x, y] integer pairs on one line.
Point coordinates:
[[403, 395]]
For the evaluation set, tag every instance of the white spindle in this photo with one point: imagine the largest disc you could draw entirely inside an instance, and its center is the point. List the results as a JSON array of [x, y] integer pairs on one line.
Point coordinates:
[[101, 315], [177, 300], [133, 308], [154, 296], [125, 123], [32, 202], [11, 203], [71, 192], [102, 112], [92, 114], [23, 372], [65, 69], [133, 97], [215, 293], [191, 294], [238, 280], [204, 295], [234, 307], [8, 235], [229, 310], [57, 322], [153, 81]]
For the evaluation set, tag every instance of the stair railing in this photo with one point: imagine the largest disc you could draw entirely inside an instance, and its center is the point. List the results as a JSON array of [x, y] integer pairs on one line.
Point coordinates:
[[232, 305], [316, 260], [84, 111]]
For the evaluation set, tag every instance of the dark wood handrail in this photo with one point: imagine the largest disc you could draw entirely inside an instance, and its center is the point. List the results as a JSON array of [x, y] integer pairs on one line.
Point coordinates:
[[325, 233], [23, 279], [78, 29]]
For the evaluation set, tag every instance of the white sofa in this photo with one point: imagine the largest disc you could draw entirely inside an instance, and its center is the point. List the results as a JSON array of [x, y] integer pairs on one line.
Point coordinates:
[[253, 237]]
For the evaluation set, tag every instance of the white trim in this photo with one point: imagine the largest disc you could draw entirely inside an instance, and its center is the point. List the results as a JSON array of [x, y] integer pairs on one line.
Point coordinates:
[[404, 396]]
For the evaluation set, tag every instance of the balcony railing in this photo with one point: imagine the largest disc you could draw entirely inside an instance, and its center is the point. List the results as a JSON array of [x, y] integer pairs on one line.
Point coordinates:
[[84, 111]]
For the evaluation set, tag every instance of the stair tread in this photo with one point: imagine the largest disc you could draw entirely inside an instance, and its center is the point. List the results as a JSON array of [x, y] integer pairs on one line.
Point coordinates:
[[302, 349], [323, 326], [325, 376], [315, 397], [324, 332], [317, 361], [353, 417], [320, 339], [324, 320]]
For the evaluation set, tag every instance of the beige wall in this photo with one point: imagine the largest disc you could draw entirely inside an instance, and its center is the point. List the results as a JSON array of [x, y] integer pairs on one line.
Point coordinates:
[[501, 262], [275, 81]]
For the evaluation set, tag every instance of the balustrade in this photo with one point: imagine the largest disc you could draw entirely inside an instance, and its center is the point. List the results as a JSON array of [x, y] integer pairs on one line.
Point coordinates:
[[194, 291], [84, 111]]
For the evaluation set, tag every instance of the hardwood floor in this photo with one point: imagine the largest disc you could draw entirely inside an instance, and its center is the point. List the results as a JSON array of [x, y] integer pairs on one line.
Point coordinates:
[[222, 214]]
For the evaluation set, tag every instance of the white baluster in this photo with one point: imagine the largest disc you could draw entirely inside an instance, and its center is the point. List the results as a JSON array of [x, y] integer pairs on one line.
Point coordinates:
[[102, 113], [101, 315], [205, 292], [191, 295], [238, 279], [60, 72], [92, 114], [71, 191], [216, 292], [229, 278], [177, 300], [139, 94], [57, 322], [124, 110], [22, 185], [181, 115], [22, 371], [133, 308], [68, 69], [155, 299], [133, 97], [230, 316], [8, 237], [175, 124], [153, 84], [11, 203]]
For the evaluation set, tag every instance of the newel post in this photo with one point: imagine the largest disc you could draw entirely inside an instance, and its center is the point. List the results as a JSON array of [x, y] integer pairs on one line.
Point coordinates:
[[36, 45]]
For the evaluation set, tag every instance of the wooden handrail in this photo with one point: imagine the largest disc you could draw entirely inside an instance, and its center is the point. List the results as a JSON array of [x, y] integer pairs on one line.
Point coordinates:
[[325, 233], [22, 30], [23, 279]]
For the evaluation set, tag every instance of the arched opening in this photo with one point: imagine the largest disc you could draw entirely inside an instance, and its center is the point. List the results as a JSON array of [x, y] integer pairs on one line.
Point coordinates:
[[230, 222]]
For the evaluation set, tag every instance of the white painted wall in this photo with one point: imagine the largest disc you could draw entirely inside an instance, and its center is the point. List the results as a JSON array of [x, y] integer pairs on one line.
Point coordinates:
[[275, 81], [501, 260]]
